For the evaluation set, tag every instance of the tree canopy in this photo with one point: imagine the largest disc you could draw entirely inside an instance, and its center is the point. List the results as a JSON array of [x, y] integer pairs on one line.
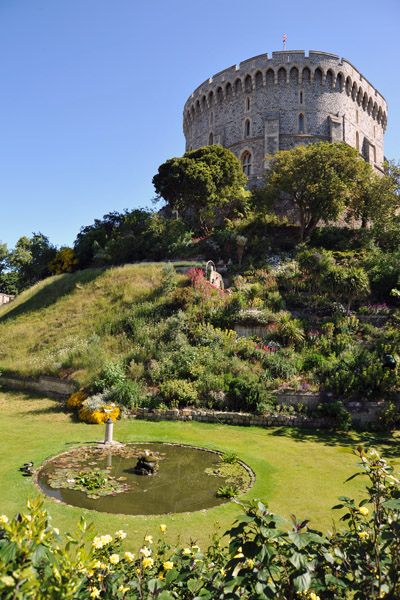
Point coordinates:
[[318, 178], [202, 182]]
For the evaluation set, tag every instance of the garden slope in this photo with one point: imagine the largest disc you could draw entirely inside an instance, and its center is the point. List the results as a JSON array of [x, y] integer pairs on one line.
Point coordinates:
[[46, 328]]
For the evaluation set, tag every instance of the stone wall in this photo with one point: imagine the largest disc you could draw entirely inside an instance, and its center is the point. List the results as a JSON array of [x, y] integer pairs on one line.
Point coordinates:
[[268, 104], [48, 386], [228, 418]]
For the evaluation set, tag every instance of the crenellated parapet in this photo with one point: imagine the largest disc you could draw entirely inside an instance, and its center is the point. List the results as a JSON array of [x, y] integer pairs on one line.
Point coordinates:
[[297, 98]]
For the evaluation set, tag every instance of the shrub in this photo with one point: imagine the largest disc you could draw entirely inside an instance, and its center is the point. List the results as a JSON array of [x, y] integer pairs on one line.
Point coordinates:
[[249, 395], [112, 374], [75, 401], [128, 394], [179, 392], [93, 410], [340, 417]]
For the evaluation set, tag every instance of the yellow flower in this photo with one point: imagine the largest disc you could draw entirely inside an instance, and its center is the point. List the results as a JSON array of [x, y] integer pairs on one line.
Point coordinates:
[[97, 543], [120, 534], [168, 565], [223, 573], [249, 563], [95, 593], [163, 528], [114, 559], [106, 539], [186, 551], [313, 596], [239, 553], [148, 539], [129, 557], [3, 519], [363, 535], [270, 580], [145, 551], [363, 510], [124, 589], [161, 576], [147, 563]]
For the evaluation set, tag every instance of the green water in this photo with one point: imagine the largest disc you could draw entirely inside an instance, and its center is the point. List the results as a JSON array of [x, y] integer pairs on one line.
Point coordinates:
[[181, 484]]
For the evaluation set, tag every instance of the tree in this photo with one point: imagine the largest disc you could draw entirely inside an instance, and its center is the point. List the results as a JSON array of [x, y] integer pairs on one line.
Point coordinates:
[[376, 199], [203, 182], [30, 259], [319, 179], [64, 261]]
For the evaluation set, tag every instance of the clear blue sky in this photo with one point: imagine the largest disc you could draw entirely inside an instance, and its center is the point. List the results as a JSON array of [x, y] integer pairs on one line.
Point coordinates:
[[92, 91]]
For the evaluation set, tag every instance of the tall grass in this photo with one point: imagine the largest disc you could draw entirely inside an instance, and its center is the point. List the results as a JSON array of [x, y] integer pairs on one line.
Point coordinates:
[[67, 325]]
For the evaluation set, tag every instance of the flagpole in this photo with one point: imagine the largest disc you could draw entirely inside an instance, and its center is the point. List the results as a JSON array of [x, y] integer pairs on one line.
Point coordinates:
[[284, 42]]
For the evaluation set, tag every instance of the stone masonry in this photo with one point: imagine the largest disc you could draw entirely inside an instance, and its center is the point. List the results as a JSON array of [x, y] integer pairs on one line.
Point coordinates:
[[269, 104]]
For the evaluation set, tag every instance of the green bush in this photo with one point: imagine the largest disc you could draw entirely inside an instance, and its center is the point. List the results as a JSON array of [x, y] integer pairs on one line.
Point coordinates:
[[248, 395], [334, 410], [112, 374], [179, 392]]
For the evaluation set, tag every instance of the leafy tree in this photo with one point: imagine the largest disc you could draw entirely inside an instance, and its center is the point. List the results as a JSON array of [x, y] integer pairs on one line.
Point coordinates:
[[347, 282], [203, 182], [64, 261], [92, 238], [377, 197], [319, 179], [30, 259]]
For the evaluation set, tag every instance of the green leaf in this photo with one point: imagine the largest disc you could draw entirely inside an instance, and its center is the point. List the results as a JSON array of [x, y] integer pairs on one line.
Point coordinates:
[[298, 560], [9, 552], [171, 576], [39, 552], [8, 581], [165, 595], [303, 582], [300, 540], [392, 504]]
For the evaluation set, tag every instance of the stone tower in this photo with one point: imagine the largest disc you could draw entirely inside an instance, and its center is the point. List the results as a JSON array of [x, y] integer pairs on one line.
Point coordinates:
[[269, 104]]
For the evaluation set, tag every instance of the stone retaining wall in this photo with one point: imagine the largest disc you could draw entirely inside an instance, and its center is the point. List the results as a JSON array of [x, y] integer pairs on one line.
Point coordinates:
[[49, 386], [228, 418]]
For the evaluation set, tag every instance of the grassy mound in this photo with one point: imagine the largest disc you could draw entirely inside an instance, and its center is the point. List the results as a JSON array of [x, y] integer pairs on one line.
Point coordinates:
[[67, 325]]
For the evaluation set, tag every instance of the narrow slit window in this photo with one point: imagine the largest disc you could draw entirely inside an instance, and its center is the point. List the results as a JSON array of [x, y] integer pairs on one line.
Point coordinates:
[[301, 97], [301, 124]]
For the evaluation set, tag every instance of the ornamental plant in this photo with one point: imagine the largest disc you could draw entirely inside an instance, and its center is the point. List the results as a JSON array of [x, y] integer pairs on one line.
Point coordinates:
[[263, 557]]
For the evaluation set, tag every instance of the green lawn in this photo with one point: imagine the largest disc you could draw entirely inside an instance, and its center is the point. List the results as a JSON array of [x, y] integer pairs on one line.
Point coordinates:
[[297, 471]]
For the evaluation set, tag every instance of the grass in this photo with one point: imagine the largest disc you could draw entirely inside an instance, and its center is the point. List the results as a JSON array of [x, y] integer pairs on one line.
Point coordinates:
[[297, 471], [63, 319]]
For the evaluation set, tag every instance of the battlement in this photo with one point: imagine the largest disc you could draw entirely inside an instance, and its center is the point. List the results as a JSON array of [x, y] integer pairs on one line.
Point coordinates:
[[287, 59]]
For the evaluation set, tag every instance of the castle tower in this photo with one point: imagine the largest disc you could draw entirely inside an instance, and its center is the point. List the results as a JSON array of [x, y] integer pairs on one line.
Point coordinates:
[[269, 104]]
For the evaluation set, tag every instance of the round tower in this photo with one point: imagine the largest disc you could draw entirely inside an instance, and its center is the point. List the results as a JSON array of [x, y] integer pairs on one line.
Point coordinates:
[[269, 104]]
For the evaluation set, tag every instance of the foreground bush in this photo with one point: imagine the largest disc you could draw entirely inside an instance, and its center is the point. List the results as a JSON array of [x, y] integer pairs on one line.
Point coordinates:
[[262, 560]]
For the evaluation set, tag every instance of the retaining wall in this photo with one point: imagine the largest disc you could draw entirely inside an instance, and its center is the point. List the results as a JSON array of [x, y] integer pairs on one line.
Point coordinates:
[[49, 386]]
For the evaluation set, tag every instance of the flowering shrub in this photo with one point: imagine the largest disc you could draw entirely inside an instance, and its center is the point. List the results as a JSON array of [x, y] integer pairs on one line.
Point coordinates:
[[374, 309], [75, 401], [96, 410], [263, 559], [208, 299]]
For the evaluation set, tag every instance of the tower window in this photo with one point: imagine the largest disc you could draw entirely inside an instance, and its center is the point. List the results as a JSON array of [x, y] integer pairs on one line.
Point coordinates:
[[247, 129], [301, 124], [246, 163], [210, 139], [301, 97], [248, 104]]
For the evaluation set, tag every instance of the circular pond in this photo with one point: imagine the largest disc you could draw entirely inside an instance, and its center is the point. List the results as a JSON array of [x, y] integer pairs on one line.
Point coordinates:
[[108, 479]]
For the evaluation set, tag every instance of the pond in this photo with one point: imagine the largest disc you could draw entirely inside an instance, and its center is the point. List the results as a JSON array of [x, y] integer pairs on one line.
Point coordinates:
[[104, 479]]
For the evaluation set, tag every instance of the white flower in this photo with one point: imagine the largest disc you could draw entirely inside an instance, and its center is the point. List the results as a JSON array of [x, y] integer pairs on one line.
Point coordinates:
[[121, 535], [145, 551]]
